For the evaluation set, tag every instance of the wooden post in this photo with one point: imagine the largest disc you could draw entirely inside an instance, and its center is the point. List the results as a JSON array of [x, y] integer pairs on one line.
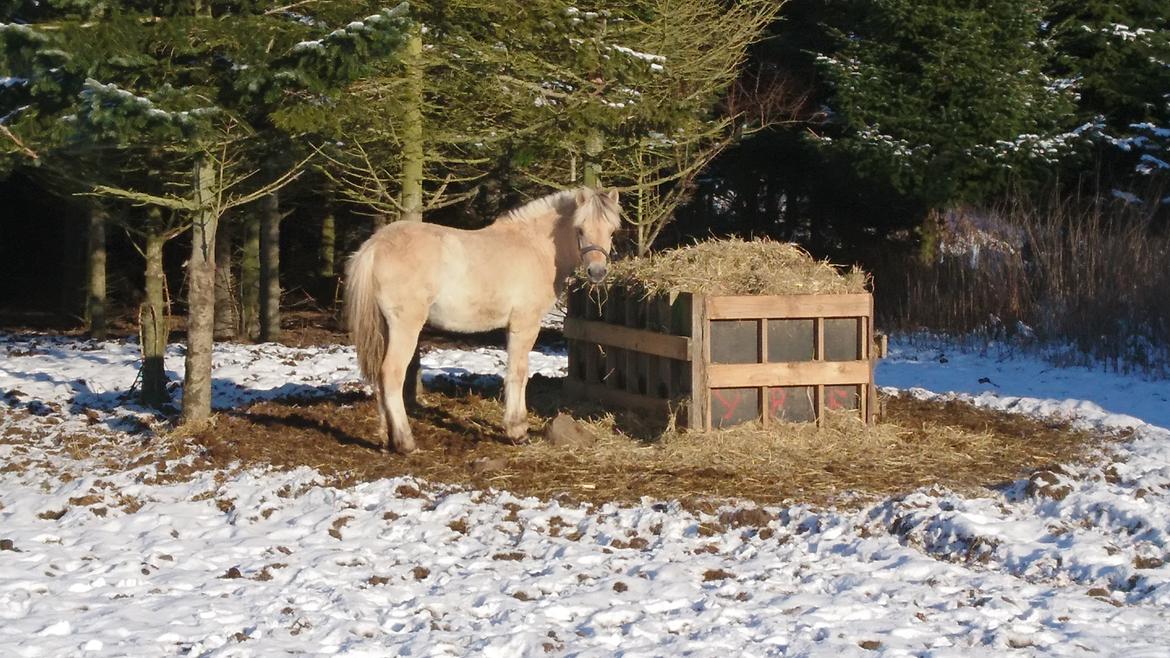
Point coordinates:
[[762, 337], [871, 402], [699, 416], [818, 405]]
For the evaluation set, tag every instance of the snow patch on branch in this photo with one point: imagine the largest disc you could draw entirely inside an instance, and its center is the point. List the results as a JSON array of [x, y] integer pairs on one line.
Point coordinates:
[[648, 57]]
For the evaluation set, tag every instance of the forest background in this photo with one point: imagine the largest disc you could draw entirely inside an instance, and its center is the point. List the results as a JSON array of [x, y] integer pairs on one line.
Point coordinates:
[[1000, 166]]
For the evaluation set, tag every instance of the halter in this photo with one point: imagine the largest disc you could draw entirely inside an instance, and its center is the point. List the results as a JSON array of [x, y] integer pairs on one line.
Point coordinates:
[[591, 247]]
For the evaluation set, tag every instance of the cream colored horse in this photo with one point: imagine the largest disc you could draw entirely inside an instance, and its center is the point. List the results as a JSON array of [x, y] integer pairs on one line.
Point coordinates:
[[507, 274]]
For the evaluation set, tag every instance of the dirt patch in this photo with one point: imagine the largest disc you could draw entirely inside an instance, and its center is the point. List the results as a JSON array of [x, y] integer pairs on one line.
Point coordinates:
[[921, 443], [716, 574]]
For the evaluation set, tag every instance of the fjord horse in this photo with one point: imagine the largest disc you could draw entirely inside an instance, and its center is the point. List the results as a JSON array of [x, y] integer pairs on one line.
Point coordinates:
[[508, 274]]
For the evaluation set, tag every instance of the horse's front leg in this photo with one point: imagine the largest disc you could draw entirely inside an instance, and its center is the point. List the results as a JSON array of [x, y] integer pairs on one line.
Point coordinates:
[[521, 338]]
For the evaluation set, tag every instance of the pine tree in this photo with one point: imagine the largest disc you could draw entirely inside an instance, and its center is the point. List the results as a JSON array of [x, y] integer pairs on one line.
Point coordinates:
[[1116, 57], [156, 97], [945, 100]]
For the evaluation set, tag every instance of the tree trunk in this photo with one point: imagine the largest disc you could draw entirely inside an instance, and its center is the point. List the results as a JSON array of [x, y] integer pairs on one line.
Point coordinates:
[[250, 277], [270, 269], [328, 292], [95, 305], [593, 147], [226, 315], [640, 203], [412, 131], [328, 244], [200, 298], [930, 235], [153, 327]]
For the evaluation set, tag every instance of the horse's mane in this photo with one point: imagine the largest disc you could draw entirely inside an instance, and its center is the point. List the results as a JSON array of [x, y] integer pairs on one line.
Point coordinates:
[[536, 208]]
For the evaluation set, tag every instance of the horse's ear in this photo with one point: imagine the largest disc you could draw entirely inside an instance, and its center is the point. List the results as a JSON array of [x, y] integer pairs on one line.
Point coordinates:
[[580, 196], [612, 194]]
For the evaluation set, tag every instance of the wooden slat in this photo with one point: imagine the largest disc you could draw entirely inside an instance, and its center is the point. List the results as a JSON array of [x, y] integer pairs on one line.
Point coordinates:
[[808, 373], [614, 361], [699, 414], [871, 402], [762, 345], [728, 307], [865, 351], [592, 362], [616, 397], [819, 403], [638, 340]]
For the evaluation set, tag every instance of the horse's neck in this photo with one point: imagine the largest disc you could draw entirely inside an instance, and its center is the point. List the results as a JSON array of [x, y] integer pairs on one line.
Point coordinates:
[[567, 251], [554, 234]]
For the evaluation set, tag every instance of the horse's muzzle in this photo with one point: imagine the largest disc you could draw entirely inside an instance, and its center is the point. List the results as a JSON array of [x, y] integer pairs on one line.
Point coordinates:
[[596, 272]]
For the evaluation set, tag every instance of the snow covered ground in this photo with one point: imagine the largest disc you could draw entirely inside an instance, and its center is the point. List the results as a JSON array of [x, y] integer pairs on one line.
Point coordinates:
[[116, 559]]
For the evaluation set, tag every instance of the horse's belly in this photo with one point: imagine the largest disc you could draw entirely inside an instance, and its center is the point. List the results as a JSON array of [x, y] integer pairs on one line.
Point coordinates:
[[466, 316]]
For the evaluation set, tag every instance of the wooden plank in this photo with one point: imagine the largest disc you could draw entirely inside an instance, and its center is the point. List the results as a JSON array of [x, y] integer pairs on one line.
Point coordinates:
[[592, 362], [631, 370], [746, 307], [762, 337], [819, 403], [808, 373], [699, 413], [614, 361], [865, 351], [638, 340], [617, 397], [871, 401]]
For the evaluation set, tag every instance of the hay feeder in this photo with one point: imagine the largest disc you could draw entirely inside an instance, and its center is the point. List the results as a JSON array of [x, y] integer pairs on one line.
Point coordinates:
[[715, 360]]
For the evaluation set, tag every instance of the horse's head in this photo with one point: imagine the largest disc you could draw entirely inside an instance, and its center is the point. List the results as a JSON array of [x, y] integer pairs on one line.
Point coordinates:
[[596, 218]]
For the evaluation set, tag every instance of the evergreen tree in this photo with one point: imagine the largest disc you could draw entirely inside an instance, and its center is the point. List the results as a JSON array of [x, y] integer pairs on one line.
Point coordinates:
[[165, 103], [946, 100], [1116, 57]]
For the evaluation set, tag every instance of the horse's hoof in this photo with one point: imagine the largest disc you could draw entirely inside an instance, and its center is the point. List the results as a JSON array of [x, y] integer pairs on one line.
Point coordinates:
[[517, 435]]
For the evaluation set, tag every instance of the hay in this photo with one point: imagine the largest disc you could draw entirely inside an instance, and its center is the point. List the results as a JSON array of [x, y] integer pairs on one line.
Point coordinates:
[[954, 445], [736, 267]]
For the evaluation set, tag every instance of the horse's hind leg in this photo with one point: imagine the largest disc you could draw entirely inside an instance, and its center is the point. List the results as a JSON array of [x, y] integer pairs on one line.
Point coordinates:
[[521, 337], [412, 385], [399, 351]]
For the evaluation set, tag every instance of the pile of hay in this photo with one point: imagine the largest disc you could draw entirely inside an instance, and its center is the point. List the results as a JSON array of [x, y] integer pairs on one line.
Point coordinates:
[[954, 444], [736, 267]]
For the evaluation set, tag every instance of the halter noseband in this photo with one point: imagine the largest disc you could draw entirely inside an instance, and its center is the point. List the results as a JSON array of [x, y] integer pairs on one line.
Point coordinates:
[[586, 248], [592, 247]]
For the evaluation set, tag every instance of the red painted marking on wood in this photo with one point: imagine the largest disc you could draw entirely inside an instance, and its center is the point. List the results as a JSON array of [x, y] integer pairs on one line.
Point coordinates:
[[731, 405]]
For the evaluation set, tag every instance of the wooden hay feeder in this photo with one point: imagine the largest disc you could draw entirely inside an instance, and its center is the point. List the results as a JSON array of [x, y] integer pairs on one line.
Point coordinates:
[[719, 360]]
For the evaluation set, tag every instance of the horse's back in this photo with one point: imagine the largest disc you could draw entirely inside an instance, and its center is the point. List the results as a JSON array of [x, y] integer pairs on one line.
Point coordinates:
[[466, 280]]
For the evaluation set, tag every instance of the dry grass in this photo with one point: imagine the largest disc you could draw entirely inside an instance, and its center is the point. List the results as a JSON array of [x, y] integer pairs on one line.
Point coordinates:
[[736, 267], [1086, 272], [953, 444]]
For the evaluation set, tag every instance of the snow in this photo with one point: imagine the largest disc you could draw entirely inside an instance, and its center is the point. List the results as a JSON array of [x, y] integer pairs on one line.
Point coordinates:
[[646, 57], [256, 563]]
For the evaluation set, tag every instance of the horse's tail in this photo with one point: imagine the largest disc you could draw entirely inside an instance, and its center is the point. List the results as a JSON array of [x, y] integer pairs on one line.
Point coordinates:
[[368, 328]]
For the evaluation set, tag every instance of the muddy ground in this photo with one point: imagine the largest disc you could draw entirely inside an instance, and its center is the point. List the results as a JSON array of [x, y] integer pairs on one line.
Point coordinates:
[[461, 442]]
